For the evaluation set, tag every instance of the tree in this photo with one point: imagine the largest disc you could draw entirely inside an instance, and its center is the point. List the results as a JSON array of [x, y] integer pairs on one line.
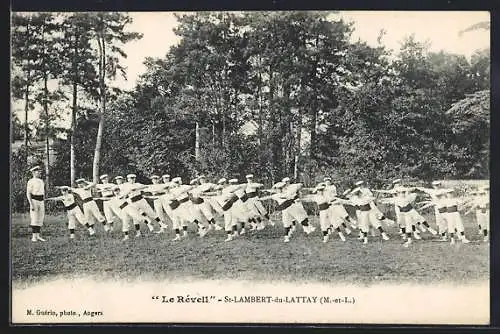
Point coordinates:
[[109, 34], [79, 71]]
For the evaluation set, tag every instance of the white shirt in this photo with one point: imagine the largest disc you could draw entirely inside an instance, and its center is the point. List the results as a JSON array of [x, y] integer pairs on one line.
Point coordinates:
[[253, 186], [83, 193], [199, 190], [127, 189], [330, 192], [156, 188], [180, 192], [35, 186], [68, 199], [404, 200], [106, 189]]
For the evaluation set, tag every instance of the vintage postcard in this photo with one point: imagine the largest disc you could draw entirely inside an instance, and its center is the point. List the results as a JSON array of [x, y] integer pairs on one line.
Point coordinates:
[[256, 167]]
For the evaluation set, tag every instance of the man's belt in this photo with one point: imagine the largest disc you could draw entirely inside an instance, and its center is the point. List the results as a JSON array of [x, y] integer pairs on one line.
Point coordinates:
[[109, 196], [197, 200], [406, 208], [442, 210], [227, 205], [184, 200], [244, 198], [252, 194], [364, 207], [174, 204], [323, 206], [285, 204], [451, 209], [88, 199], [160, 193], [37, 197], [123, 205], [71, 206], [136, 198]]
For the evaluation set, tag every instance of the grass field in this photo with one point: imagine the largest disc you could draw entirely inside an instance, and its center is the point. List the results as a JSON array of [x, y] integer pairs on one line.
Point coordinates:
[[258, 256]]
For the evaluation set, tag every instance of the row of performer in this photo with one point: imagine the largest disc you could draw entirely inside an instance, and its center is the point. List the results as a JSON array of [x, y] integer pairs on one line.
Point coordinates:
[[240, 206]]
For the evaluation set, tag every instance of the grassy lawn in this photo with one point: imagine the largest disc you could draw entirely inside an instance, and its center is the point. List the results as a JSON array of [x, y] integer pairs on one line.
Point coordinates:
[[255, 256]]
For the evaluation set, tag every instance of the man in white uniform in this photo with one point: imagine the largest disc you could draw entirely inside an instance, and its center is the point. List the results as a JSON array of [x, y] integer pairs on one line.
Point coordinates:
[[133, 191], [125, 211], [90, 208], [106, 190], [296, 209], [204, 203], [73, 211], [367, 216], [222, 203], [35, 192], [157, 190], [255, 207]]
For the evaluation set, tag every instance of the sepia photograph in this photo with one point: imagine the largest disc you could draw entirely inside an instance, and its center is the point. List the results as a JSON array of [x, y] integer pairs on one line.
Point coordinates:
[[257, 167]]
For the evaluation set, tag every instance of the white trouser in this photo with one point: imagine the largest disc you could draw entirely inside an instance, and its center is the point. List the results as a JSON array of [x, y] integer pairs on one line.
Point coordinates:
[[130, 214], [92, 213], [206, 209], [367, 219], [454, 222], [483, 218], [143, 207], [37, 215], [75, 215], [109, 214], [324, 219], [158, 208], [294, 212]]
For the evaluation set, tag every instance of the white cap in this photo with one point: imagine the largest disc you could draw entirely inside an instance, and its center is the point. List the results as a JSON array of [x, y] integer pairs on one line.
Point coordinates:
[[154, 177], [80, 180], [64, 188], [249, 176], [396, 181], [436, 183], [221, 181], [103, 176], [359, 183], [177, 180], [118, 177], [35, 168], [286, 179], [131, 176], [279, 185], [193, 181], [233, 181], [202, 176], [327, 178], [165, 176]]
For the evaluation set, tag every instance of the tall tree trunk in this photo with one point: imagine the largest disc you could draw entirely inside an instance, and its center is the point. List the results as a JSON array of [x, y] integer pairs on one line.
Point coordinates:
[[312, 130], [26, 109], [213, 133], [72, 157], [102, 88], [298, 142], [26, 100], [47, 142], [74, 110], [197, 142]]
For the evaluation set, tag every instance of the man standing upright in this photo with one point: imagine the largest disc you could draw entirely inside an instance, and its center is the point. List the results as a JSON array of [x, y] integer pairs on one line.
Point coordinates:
[[35, 192]]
